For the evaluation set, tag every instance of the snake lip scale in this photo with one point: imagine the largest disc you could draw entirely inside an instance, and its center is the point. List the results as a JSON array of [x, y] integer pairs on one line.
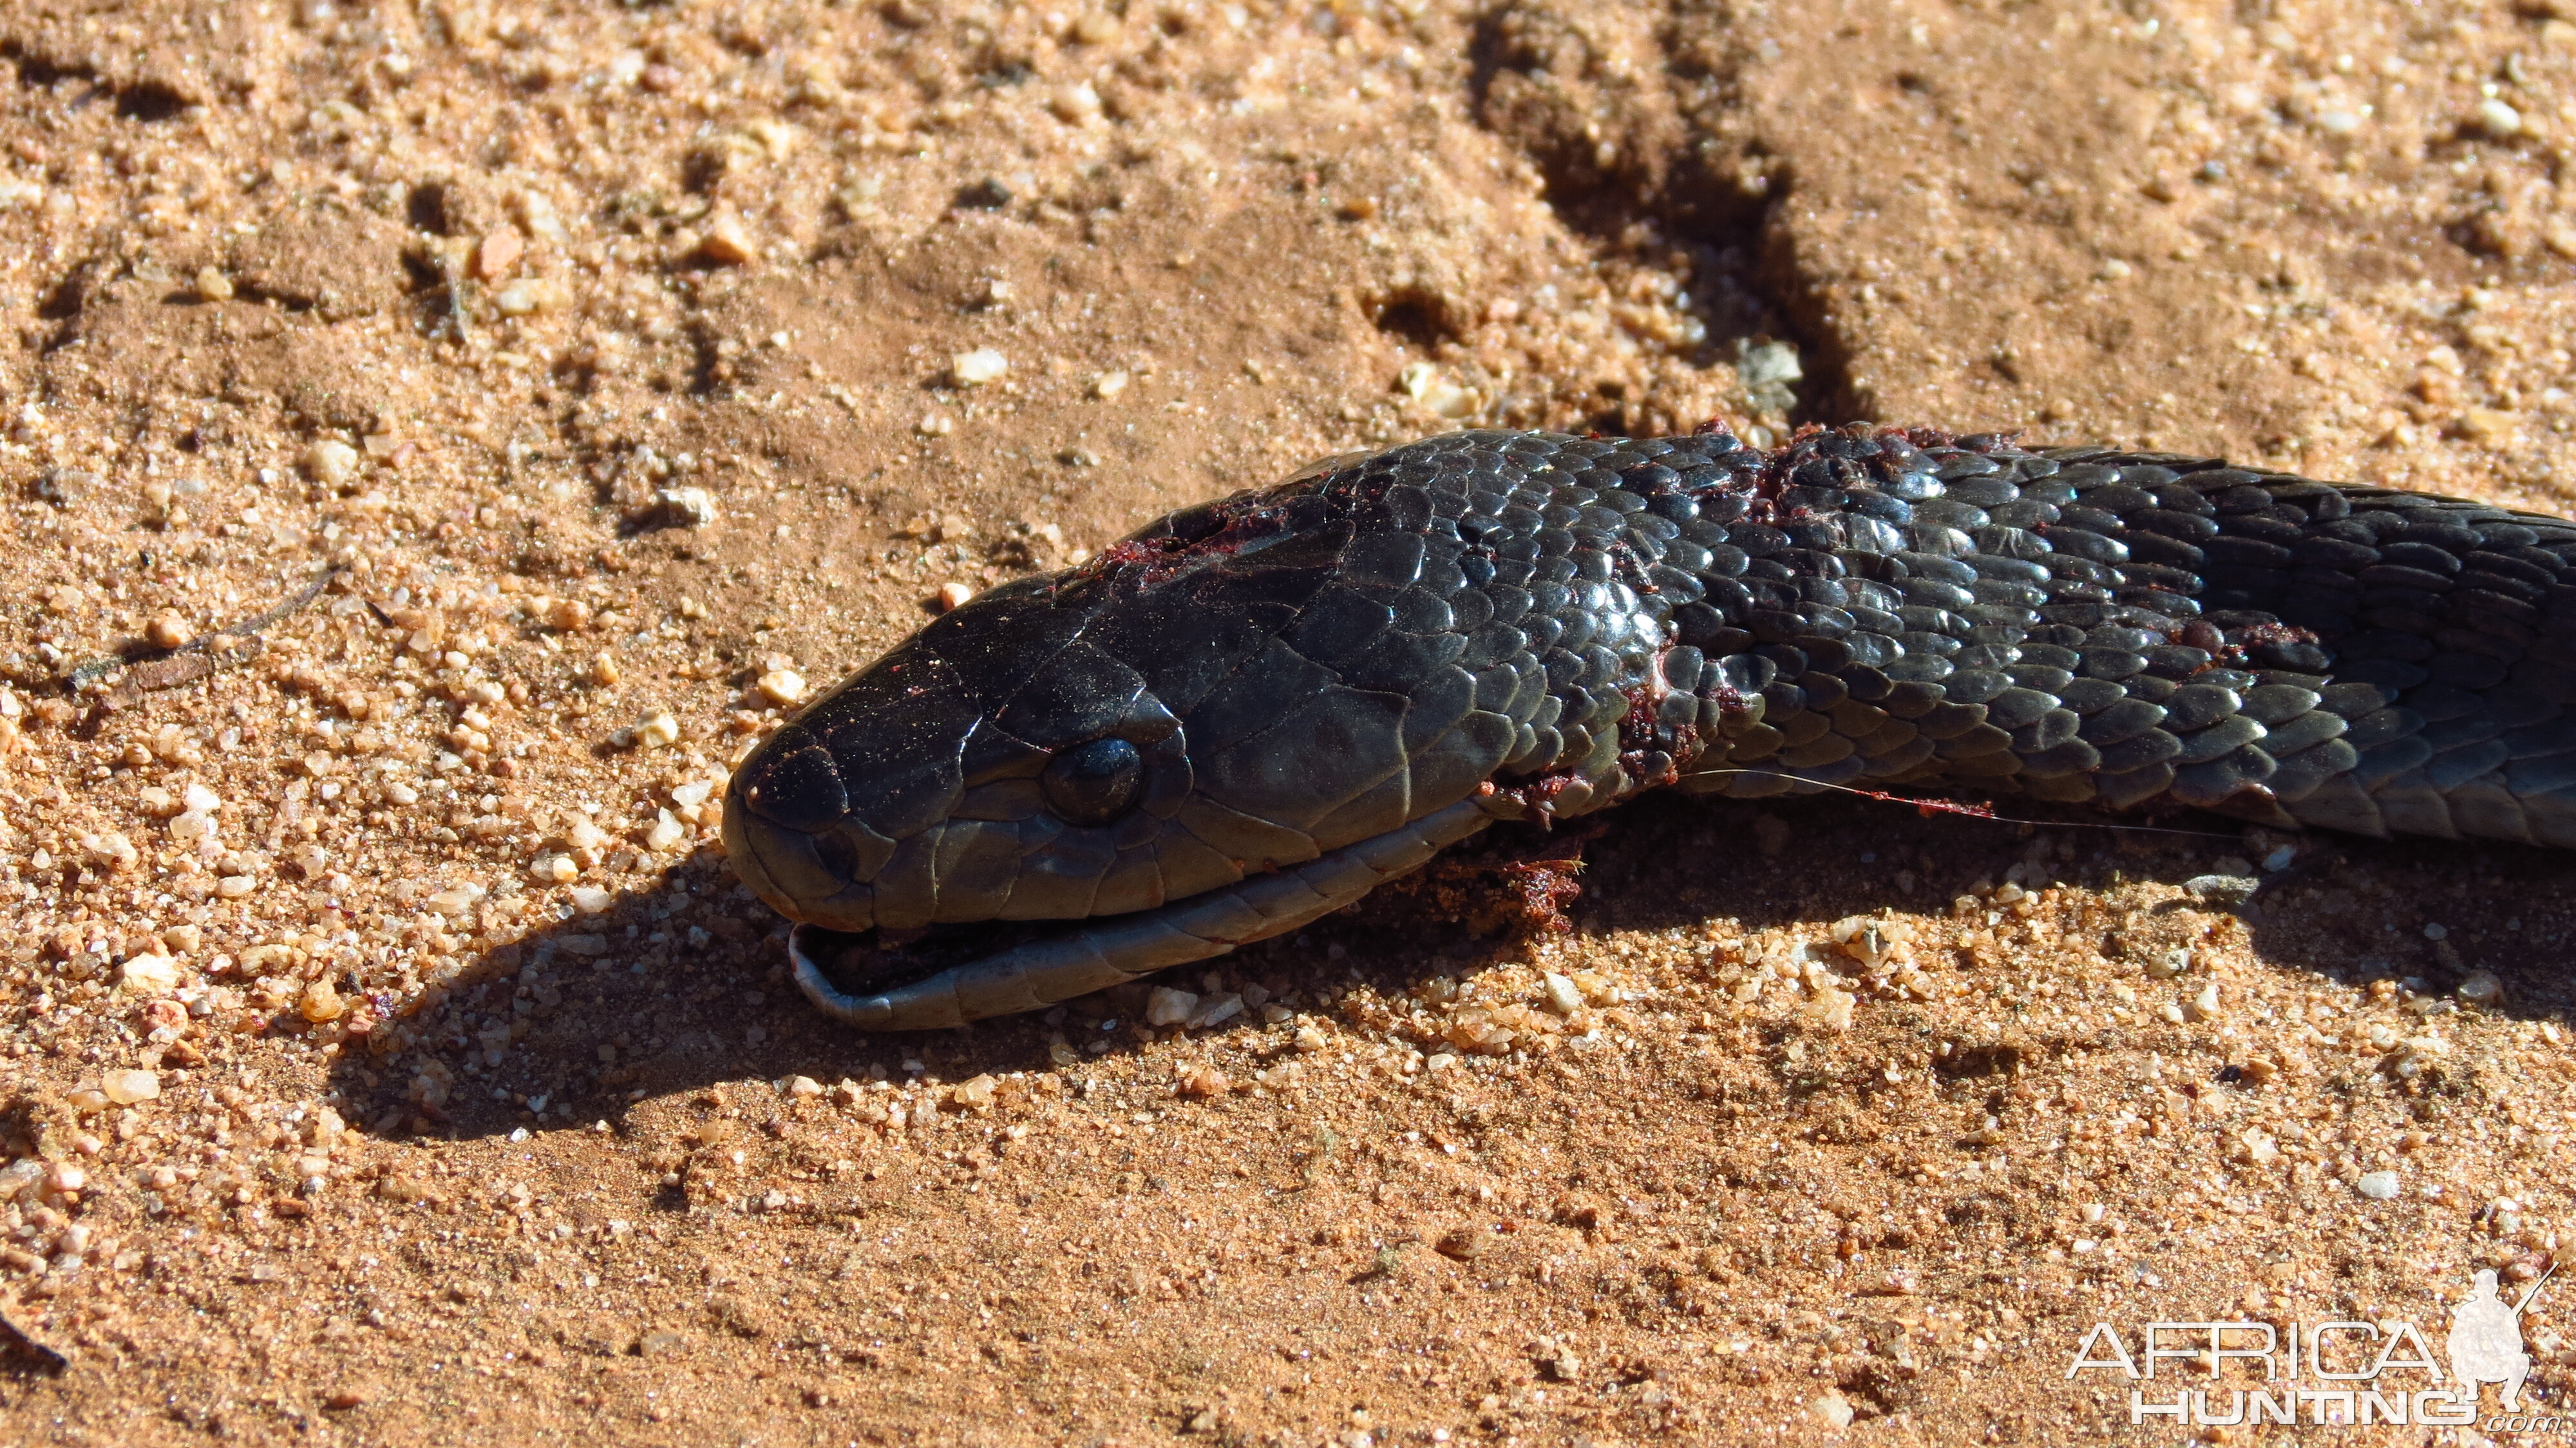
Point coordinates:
[[1254, 711]]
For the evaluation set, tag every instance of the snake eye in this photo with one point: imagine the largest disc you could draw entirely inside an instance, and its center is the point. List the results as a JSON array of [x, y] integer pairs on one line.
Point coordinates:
[[1093, 783]]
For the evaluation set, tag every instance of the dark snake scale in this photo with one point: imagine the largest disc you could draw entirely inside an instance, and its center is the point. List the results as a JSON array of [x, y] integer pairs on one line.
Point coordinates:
[[1254, 711]]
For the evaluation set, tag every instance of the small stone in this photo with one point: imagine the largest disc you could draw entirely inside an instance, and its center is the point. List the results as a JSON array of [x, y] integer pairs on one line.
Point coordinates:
[[782, 687], [1075, 104], [495, 254], [567, 615], [2500, 121], [1168, 1007], [684, 507], [235, 887], [975, 1094], [1108, 385], [2481, 988], [168, 631], [2378, 1186], [665, 834], [952, 595], [657, 730], [150, 974], [2204, 1006], [1215, 1010], [974, 369], [1461, 1244], [1832, 1408], [590, 899], [1311, 1040], [213, 286], [331, 462], [935, 424], [1562, 997], [2437, 931], [726, 243], [2487, 426], [804, 1088], [605, 670], [1096, 27], [553, 868], [1203, 1081], [321, 1002], [127, 1087], [2165, 965]]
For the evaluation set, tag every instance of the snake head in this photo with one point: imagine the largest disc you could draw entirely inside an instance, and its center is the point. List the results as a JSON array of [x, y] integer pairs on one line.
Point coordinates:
[[1241, 689]]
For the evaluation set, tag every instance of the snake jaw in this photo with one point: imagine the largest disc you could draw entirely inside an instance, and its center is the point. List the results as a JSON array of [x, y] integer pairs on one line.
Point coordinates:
[[1096, 953]]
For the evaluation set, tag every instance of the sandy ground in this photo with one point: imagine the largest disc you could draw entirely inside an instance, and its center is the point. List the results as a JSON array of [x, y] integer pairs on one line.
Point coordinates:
[[391, 1058]]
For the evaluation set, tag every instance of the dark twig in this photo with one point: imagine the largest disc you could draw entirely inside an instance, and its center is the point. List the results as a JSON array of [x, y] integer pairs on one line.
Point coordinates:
[[51, 1359], [205, 654]]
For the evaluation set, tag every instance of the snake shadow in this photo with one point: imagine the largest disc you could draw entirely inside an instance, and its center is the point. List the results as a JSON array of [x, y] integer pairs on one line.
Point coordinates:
[[2348, 908], [681, 983]]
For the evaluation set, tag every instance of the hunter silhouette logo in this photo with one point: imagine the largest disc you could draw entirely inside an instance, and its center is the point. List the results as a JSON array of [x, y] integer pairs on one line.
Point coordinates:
[[2327, 1374], [2486, 1338]]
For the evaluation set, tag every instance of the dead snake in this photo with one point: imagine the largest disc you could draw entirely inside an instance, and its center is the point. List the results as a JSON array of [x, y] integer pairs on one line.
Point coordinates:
[[1255, 711]]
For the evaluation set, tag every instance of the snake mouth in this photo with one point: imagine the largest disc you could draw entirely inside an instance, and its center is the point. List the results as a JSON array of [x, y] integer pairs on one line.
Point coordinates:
[[950, 975], [873, 962]]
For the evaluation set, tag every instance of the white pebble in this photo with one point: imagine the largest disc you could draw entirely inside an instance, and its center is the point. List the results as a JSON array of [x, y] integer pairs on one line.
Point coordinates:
[[553, 869], [657, 730], [127, 1087], [665, 834], [693, 794], [1169, 1007], [1214, 1010], [1562, 997], [2481, 988], [953, 595], [234, 887], [1108, 385], [330, 461], [804, 1087], [689, 507], [201, 799], [974, 369], [586, 836], [782, 686], [189, 828], [2379, 1186], [2499, 120], [2204, 1006], [151, 974], [590, 899]]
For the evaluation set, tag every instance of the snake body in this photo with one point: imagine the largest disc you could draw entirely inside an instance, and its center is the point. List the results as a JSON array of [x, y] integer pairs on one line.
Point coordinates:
[[1253, 711]]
